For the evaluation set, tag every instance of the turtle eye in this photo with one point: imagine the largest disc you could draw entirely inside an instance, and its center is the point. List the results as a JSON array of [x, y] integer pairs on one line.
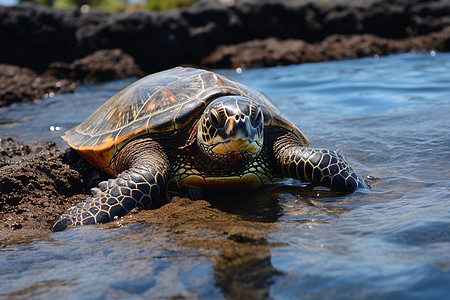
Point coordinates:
[[216, 119], [256, 115]]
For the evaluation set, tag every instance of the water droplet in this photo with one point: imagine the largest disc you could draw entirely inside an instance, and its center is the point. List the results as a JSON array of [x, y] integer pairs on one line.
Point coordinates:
[[238, 70], [55, 128], [433, 53]]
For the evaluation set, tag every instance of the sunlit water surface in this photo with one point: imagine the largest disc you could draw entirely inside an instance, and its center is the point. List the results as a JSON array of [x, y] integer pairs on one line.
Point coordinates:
[[390, 117]]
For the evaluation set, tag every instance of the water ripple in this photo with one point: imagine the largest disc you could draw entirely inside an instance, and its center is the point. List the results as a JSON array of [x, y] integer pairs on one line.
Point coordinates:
[[389, 116]]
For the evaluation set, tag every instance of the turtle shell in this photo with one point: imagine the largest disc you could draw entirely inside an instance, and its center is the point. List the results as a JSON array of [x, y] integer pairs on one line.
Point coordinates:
[[161, 102]]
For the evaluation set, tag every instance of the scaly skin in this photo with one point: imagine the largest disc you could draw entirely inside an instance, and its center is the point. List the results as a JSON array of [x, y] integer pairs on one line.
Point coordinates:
[[148, 163], [316, 165], [143, 179]]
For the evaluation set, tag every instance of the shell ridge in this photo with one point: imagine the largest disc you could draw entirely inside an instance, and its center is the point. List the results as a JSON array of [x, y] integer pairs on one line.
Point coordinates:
[[145, 104], [161, 102]]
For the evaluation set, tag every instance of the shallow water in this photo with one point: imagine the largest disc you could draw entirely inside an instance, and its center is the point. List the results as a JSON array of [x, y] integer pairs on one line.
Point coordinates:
[[389, 116]]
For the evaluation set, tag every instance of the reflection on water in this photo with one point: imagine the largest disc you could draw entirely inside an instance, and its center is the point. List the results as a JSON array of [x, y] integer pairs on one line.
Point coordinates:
[[389, 116]]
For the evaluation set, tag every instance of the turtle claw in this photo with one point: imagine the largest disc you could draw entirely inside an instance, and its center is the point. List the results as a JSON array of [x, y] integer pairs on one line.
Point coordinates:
[[62, 223], [96, 191]]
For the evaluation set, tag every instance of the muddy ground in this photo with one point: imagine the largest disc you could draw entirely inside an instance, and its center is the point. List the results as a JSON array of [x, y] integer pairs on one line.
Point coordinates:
[[39, 182]]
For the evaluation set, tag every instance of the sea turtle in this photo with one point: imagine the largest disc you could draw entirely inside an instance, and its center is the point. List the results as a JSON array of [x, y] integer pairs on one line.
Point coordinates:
[[187, 127]]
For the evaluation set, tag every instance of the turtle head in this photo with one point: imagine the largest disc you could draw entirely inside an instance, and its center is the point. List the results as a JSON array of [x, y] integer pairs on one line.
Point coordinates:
[[231, 129]]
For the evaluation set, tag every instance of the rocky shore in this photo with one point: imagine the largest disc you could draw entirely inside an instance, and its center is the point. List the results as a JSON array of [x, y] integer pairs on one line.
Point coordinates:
[[38, 183], [20, 84], [46, 50]]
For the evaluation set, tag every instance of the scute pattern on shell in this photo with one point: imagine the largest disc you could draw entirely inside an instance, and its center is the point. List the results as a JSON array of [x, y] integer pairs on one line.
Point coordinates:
[[161, 102]]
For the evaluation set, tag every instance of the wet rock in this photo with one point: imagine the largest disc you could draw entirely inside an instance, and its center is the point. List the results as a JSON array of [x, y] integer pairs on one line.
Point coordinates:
[[35, 36], [246, 235], [60, 47], [100, 66], [272, 52], [258, 53], [23, 85]]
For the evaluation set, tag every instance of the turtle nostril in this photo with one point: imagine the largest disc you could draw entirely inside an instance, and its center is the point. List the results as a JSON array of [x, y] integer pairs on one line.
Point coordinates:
[[240, 116]]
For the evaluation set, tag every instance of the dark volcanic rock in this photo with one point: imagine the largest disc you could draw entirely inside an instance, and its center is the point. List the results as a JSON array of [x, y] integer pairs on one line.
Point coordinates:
[[101, 66], [34, 36], [272, 52], [61, 47], [22, 84]]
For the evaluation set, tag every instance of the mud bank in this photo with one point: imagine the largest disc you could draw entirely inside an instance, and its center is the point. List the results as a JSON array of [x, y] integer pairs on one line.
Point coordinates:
[[37, 184]]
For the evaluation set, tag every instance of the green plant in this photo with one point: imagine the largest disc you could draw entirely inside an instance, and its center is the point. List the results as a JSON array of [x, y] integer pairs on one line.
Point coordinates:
[[105, 5], [168, 4]]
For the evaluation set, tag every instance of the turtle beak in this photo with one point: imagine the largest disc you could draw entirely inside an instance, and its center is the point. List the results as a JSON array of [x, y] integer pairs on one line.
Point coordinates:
[[239, 135], [232, 128], [237, 146]]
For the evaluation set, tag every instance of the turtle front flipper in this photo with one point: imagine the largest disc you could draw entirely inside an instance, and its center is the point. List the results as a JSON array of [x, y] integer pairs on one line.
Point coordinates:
[[135, 187], [317, 165]]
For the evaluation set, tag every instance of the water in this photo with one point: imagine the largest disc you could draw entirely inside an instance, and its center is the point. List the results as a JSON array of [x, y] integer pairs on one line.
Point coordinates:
[[389, 116]]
